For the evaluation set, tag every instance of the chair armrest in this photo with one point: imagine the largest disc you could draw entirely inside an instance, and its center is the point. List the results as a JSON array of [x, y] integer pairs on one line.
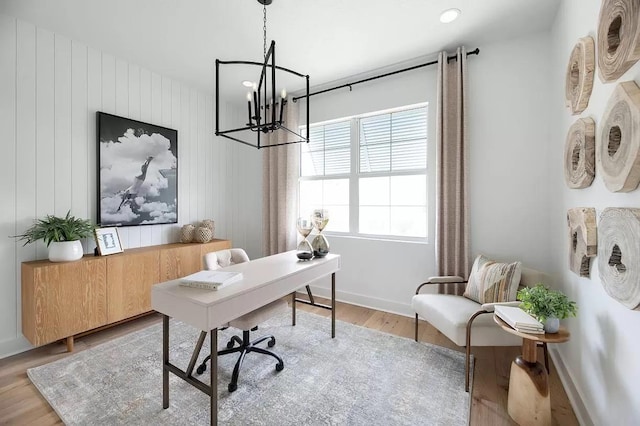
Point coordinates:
[[441, 280], [490, 307]]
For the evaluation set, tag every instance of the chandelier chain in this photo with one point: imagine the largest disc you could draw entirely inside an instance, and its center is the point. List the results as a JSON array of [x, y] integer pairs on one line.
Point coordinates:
[[264, 29]]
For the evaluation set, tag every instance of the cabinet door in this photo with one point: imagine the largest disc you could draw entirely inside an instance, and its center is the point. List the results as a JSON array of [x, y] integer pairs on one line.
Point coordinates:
[[62, 299], [129, 282], [179, 261]]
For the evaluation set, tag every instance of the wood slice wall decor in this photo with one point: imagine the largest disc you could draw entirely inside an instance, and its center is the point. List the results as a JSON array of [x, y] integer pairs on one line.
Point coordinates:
[[579, 154], [579, 79], [618, 37], [583, 239], [618, 148], [619, 254]]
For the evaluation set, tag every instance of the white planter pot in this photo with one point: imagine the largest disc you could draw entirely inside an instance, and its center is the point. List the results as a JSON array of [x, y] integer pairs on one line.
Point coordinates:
[[552, 325], [65, 251]]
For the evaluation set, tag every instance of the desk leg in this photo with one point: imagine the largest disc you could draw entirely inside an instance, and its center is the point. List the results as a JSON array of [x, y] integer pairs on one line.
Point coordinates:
[[529, 402], [333, 305], [165, 361], [293, 308], [214, 377]]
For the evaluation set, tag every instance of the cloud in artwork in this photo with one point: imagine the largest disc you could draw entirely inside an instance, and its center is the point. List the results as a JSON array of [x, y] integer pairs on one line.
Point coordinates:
[[109, 213]]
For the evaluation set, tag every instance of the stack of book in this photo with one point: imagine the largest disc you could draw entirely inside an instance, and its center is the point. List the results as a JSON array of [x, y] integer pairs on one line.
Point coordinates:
[[210, 280], [519, 319]]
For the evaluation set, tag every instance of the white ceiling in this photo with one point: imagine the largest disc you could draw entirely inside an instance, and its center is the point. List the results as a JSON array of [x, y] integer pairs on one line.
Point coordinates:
[[327, 39]]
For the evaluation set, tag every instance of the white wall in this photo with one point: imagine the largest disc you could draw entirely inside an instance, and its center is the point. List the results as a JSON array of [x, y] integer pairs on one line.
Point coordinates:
[[508, 134], [599, 363], [51, 89]]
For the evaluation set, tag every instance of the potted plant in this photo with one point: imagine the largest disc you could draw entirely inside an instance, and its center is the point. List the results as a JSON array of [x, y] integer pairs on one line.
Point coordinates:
[[547, 306], [61, 235]]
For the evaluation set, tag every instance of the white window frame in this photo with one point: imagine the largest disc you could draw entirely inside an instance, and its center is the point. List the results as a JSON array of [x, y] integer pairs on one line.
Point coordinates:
[[354, 177]]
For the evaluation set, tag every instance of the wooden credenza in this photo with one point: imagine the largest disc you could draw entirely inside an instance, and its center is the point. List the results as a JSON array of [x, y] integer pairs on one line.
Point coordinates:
[[63, 299]]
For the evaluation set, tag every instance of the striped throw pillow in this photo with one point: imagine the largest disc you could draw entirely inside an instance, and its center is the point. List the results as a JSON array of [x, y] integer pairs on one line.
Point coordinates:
[[491, 282]]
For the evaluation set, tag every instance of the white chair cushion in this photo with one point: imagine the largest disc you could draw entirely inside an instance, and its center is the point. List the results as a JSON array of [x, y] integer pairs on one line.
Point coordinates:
[[223, 258], [450, 314], [254, 318]]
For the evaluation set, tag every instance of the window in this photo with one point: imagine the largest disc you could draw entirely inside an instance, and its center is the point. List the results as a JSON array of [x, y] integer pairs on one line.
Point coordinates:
[[370, 172]]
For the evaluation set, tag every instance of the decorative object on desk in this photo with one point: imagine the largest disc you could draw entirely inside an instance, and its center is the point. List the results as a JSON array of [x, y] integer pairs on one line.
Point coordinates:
[[583, 239], [320, 218], [580, 154], [62, 236], [210, 280], [579, 79], [108, 241], [618, 37], [137, 172], [304, 251], [202, 234], [187, 233], [98, 382], [543, 303], [619, 254], [618, 147]]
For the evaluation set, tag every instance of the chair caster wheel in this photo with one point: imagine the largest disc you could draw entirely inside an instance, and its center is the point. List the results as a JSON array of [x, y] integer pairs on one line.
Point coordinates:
[[201, 368], [232, 387], [279, 366], [272, 342]]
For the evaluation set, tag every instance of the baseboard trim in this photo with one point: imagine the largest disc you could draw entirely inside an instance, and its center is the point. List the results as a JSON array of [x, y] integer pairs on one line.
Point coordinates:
[[14, 346], [577, 402], [365, 301]]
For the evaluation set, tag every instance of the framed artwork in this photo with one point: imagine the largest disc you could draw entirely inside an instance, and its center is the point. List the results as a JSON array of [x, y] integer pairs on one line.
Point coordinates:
[[108, 241], [137, 172]]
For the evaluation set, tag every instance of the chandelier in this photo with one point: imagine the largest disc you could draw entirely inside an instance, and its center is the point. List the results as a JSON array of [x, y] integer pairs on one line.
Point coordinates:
[[265, 100]]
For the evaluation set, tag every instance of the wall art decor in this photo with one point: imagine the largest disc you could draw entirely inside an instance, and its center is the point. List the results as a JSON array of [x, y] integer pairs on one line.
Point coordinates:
[[618, 37], [580, 154], [137, 172], [579, 78], [618, 147], [619, 254], [583, 239]]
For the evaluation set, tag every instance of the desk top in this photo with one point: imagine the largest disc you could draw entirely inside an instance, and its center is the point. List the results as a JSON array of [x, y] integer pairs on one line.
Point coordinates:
[[561, 336], [264, 280]]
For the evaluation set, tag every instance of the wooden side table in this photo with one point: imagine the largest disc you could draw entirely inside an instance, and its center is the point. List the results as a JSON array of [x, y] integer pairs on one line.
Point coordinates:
[[529, 402]]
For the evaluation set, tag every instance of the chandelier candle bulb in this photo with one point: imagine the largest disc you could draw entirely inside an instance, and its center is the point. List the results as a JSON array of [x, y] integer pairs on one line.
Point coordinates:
[[249, 106]]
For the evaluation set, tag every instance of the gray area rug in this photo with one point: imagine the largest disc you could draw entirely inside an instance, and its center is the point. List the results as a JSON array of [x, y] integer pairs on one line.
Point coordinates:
[[362, 377]]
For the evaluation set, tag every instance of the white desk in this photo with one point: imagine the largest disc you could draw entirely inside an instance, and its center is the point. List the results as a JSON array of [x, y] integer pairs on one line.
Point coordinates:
[[264, 280]]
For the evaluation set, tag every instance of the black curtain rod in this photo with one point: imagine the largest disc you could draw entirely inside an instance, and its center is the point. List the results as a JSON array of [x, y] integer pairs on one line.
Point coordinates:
[[473, 52]]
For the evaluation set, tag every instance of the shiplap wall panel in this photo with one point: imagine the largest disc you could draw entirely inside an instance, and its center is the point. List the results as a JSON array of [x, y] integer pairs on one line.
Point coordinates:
[[51, 89], [8, 34]]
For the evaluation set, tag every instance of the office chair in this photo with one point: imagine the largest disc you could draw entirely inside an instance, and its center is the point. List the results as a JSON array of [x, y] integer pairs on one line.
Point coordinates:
[[247, 323]]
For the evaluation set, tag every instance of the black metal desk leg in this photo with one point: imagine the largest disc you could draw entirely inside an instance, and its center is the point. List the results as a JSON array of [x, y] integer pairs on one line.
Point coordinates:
[[214, 377], [293, 308], [333, 305], [165, 361]]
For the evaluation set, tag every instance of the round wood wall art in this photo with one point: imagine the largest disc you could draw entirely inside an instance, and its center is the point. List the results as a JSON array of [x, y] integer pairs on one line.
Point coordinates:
[[579, 79], [580, 154], [583, 239], [619, 254], [618, 147], [618, 37]]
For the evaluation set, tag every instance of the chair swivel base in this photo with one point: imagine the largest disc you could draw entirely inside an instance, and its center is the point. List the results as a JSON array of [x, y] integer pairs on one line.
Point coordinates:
[[245, 346]]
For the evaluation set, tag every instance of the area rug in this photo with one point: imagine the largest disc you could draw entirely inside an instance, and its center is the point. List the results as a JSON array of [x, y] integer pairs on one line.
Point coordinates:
[[362, 377]]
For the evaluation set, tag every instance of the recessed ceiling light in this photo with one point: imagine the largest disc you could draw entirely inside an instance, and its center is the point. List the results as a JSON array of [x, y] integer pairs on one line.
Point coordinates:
[[247, 83], [449, 15]]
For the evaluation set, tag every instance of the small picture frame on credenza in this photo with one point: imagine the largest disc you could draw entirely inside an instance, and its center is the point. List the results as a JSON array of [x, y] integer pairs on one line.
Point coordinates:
[[108, 241]]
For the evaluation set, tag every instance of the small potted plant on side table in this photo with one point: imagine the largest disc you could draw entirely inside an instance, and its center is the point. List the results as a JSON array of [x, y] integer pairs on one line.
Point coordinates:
[[62, 236], [547, 306]]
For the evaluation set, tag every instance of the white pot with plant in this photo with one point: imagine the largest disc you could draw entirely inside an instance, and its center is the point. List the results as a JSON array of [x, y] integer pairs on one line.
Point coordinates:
[[547, 306], [62, 236]]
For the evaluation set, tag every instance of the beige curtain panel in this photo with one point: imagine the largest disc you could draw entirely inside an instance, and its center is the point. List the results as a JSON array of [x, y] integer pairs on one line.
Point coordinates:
[[280, 169], [452, 217]]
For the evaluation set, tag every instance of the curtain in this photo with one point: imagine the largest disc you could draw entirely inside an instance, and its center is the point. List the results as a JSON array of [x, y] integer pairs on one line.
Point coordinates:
[[452, 217], [280, 170]]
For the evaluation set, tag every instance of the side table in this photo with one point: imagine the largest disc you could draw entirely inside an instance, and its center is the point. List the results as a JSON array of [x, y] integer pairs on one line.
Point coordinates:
[[529, 402]]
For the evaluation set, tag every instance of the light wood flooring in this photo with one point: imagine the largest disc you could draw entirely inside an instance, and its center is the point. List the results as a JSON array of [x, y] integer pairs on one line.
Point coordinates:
[[22, 404]]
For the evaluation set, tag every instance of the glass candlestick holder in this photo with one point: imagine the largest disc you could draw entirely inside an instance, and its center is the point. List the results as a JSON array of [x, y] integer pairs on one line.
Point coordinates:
[[304, 250], [320, 244]]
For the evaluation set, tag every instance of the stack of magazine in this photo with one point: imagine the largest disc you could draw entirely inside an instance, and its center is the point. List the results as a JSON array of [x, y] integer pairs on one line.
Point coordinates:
[[519, 319], [210, 280]]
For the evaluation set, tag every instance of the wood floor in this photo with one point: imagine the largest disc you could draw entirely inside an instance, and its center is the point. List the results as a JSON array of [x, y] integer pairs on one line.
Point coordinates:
[[21, 403]]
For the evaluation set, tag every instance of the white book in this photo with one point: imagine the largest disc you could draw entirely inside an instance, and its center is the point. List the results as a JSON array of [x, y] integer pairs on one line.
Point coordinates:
[[517, 318], [529, 331], [210, 280]]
